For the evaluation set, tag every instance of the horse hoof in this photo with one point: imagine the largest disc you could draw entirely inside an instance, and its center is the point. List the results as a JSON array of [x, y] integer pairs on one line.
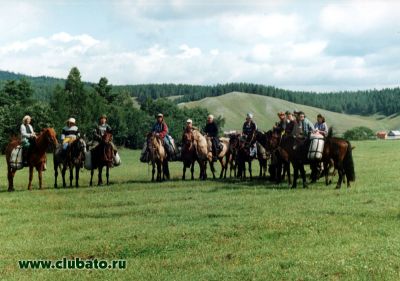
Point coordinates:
[[337, 187], [11, 190], [293, 187]]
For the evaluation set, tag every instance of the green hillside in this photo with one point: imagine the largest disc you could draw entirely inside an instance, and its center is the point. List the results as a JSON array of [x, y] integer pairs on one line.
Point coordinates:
[[234, 106]]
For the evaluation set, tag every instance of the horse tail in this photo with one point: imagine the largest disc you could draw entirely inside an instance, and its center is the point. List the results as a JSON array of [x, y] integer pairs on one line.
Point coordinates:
[[348, 163]]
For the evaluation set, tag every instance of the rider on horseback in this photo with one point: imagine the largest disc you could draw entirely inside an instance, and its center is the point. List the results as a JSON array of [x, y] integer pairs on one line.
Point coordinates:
[[211, 130], [160, 128], [101, 128], [321, 126], [302, 128], [69, 133], [27, 137], [249, 132]]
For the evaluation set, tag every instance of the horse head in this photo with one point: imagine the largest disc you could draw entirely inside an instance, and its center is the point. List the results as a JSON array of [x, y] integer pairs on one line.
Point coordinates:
[[107, 137], [187, 140], [47, 137], [78, 149]]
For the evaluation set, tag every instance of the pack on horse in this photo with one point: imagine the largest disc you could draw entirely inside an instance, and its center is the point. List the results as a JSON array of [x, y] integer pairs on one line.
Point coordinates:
[[157, 155], [339, 151], [222, 155], [72, 157], [36, 156], [193, 150], [102, 156]]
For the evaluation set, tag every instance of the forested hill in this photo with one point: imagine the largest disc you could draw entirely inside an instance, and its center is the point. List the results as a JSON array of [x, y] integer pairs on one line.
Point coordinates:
[[385, 101], [43, 86]]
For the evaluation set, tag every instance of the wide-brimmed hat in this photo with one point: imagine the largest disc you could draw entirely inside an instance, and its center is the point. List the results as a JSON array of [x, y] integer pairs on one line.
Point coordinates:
[[26, 117], [160, 115], [280, 113], [71, 120]]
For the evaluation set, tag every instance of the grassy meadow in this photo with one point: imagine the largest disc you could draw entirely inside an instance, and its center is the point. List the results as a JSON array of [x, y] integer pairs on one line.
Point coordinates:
[[265, 110], [213, 230]]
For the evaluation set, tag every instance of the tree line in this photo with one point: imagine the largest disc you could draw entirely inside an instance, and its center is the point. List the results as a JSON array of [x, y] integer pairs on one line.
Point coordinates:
[[86, 102], [368, 102]]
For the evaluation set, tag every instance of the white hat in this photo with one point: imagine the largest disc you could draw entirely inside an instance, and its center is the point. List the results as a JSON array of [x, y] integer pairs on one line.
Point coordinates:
[[71, 120], [210, 116], [249, 115], [26, 117], [189, 121]]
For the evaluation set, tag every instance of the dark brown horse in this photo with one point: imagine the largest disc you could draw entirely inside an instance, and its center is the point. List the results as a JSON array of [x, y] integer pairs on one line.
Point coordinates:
[[102, 156], [190, 156], [72, 158], [233, 151], [243, 157], [36, 156], [340, 152], [278, 167]]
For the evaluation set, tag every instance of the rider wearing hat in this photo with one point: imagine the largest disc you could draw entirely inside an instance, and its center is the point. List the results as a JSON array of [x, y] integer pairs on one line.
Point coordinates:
[[290, 121], [303, 127], [249, 131], [69, 133], [160, 128], [280, 126], [211, 130]]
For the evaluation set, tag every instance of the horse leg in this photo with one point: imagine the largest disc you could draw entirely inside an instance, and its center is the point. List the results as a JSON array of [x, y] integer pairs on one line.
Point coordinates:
[[108, 174], [340, 172], [192, 170], [10, 176], [76, 176], [30, 177], [326, 172], [153, 170], [295, 176], [212, 169], [159, 171], [63, 171], [100, 176], [40, 176], [303, 176], [183, 171], [250, 172], [221, 161], [71, 174], [91, 176], [287, 165], [55, 174]]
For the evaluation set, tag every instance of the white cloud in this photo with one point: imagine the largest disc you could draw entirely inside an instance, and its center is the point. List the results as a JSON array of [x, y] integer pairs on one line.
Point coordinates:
[[359, 17], [18, 18]]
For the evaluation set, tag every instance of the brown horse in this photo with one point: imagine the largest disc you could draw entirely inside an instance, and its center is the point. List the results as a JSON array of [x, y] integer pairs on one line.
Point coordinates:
[[278, 167], [190, 156], [223, 156], [73, 157], [36, 156], [157, 155], [340, 152], [102, 156], [233, 150], [243, 157]]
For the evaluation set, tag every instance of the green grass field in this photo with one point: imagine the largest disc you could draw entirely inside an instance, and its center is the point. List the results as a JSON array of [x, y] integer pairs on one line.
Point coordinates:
[[213, 230], [266, 108]]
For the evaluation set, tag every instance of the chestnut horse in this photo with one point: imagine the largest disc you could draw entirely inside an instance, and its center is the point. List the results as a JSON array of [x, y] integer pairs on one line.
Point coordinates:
[[36, 156], [102, 155]]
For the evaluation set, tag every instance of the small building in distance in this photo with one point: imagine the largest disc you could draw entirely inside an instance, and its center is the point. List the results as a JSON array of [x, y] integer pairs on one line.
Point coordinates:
[[393, 135]]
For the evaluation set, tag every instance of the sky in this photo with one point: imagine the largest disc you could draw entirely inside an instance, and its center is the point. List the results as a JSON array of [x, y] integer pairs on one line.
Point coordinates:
[[299, 45]]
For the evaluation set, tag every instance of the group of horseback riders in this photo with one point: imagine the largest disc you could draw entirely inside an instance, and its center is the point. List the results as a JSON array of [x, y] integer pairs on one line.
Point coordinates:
[[295, 124], [69, 134]]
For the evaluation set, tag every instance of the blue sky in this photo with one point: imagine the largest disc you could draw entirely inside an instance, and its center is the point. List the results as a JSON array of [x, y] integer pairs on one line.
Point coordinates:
[[300, 45]]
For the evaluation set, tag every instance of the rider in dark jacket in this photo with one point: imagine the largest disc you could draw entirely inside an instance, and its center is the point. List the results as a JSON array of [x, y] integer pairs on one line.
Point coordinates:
[[211, 130]]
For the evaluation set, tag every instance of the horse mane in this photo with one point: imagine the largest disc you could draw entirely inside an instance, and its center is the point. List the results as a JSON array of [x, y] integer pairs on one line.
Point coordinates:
[[330, 132]]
